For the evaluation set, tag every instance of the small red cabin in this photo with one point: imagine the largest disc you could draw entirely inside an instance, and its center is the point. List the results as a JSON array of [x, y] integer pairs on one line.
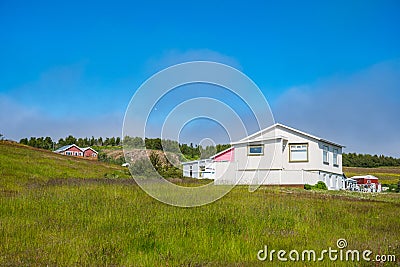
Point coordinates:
[[366, 179], [89, 152]]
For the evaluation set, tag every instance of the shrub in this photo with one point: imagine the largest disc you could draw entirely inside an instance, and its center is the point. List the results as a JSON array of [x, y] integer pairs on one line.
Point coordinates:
[[142, 167], [321, 185]]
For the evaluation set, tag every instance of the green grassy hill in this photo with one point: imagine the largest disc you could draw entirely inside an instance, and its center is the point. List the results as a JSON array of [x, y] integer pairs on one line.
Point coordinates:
[[48, 222], [21, 166]]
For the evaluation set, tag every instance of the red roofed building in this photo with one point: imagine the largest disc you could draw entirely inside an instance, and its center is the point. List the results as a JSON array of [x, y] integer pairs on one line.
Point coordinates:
[[89, 152], [368, 183], [74, 150]]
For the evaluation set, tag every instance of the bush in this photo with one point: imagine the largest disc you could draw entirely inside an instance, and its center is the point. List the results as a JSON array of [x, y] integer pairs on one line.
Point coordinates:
[[320, 185], [171, 172], [103, 157], [143, 167]]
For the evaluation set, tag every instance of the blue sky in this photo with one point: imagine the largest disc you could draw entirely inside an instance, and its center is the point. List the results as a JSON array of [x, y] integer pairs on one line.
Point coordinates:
[[329, 68]]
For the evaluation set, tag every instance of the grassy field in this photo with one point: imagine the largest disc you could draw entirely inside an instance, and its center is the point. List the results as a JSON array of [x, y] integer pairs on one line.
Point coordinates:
[[21, 166], [82, 218]]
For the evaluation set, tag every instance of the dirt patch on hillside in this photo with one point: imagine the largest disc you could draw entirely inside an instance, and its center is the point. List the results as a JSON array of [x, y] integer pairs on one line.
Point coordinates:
[[136, 154]]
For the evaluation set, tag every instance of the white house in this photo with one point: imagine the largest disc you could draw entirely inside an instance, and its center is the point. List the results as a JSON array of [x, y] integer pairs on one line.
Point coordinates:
[[277, 155], [202, 169]]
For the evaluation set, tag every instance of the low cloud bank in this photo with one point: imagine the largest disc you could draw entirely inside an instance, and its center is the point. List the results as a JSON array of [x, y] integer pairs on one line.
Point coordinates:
[[360, 111]]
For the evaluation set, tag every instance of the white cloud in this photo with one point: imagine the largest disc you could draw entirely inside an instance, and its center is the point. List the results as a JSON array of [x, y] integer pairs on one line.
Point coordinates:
[[360, 110], [18, 121]]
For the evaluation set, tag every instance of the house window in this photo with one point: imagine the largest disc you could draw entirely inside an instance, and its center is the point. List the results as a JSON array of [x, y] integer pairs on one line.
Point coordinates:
[[94, 155], [298, 152], [335, 157], [255, 150], [68, 153], [326, 155], [76, 154]]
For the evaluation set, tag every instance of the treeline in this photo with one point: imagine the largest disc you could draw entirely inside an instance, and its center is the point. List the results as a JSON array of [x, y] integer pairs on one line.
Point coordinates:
[[369, 161], [190, 151], [48, 143]]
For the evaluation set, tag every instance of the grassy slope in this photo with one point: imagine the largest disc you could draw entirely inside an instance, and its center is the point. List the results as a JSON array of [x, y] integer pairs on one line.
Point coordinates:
[[22, 165], [118, 224], [386, 175]]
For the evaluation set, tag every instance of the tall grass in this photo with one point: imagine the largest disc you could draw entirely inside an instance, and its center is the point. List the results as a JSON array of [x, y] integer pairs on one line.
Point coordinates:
[[97, 224]]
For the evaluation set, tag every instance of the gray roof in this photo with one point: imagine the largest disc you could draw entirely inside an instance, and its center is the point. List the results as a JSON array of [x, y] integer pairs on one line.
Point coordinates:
[[63, 148]]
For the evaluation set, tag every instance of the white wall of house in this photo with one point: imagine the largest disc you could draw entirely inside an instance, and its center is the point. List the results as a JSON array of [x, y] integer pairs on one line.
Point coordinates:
[[201, 169], [288, 157], [276, 143]]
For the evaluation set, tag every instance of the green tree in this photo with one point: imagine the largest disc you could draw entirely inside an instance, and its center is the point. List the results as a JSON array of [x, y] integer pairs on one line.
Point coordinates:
[[48, 143], [32, 142], [70, 140], [222, 147], [132, 143], [155, 160], [24, 141], [92, 141], [368, 161], [86, 141], [61, 142], [112, 141]]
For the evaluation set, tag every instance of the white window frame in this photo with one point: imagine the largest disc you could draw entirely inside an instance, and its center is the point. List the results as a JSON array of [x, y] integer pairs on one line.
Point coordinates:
[[335, 157], [298, 146], [255, 154], [325, 151]]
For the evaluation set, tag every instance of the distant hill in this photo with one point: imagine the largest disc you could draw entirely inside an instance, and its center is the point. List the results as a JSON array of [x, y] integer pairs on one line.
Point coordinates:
[[22, 165]]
